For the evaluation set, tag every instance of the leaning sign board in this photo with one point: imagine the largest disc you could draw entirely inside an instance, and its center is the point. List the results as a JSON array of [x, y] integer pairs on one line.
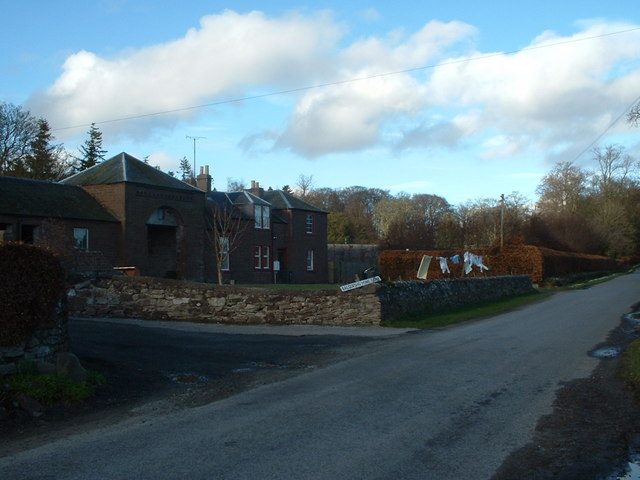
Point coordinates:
[[361, 283]]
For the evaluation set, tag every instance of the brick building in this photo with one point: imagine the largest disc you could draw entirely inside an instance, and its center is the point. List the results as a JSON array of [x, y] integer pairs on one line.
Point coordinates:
[[125, 213]]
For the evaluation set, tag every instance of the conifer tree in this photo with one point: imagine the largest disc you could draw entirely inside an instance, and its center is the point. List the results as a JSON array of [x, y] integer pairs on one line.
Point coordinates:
[[92, 152], [45, 160], [185, 169]]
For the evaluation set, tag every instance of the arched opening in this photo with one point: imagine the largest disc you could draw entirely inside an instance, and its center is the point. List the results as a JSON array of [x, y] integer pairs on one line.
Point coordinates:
[[164, 234]]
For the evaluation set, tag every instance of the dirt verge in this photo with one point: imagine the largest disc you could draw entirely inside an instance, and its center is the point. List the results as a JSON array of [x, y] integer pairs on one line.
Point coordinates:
[[589, 433]]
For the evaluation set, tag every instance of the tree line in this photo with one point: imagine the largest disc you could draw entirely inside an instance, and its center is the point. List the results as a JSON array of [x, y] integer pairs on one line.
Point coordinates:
[[28, 148], [581, 210], [587, 210]]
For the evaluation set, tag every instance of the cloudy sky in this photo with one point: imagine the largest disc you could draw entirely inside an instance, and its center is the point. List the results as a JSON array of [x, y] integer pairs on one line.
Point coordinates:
[[465, 99]]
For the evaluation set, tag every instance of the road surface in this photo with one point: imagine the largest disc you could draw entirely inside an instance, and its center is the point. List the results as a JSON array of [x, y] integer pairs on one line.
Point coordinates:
[[445, 404]]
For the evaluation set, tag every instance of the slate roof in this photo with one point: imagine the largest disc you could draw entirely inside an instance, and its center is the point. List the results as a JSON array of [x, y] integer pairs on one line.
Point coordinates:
[[236, 199], [36, 198], [221, 199], [123, 168], [281, 200]]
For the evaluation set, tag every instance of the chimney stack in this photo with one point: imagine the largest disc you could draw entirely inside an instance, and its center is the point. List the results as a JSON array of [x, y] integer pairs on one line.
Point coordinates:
[[255, 189], [204, 179]]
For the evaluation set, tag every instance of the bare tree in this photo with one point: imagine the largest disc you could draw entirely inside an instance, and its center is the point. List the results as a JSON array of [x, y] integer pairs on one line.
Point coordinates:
[[17, 129], [305, 185], [226, 227], [614, 168], [234, 185], [561, 189], [633, 117]]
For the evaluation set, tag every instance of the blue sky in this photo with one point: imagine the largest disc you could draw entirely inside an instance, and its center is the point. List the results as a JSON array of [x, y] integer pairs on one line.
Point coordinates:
[[461, 99]]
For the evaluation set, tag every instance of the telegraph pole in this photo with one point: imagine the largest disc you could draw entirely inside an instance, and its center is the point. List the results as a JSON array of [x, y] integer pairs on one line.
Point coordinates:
[[195, 171], [501, 221]]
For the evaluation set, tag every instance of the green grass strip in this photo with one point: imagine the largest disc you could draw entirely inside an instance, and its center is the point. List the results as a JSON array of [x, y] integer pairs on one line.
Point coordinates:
[[450, 317], [630, 368]]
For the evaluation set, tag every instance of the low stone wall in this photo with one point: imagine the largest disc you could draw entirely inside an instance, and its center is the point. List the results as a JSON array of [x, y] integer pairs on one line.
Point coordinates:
[[42, 347], [438, 295], [161, 299]]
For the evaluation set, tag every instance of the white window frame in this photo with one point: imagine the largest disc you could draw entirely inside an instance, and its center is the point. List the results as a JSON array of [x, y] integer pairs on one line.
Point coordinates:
[[262, 215], [81, 238], [224, 249], [309, 223], [261, 257], [310, 255]]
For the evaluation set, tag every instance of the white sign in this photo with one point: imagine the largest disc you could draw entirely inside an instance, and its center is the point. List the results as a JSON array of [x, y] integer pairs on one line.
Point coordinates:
[[361, 283]]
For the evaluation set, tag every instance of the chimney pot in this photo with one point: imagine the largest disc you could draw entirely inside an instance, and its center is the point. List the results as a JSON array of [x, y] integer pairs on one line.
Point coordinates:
[[204, 179]]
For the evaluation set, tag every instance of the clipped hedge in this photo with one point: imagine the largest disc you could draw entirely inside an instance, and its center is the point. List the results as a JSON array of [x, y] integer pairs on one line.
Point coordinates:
[[537, 262], [32, 286]]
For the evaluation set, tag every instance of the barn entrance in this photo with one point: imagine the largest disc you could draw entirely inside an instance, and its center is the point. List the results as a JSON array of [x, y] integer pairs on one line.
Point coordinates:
[[164, 231]]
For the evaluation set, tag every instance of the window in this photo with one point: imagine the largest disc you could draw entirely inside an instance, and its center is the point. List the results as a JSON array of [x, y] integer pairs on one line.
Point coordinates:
[[309, 223], [262, 215], [224, 250], [81, 237], [261, 257], [27, 233], [310, 260]]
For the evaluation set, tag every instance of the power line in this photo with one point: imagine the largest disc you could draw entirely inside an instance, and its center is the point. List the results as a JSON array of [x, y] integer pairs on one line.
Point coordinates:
[[346, 81], [636, 100]]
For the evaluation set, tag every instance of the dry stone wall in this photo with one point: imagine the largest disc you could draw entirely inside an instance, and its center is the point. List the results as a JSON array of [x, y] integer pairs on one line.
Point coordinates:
[[162, 299], [438, 295], [43, 346]]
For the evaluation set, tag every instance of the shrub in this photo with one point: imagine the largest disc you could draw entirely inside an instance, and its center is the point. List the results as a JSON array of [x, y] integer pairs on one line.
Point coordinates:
[[515, 259], [33, 284]]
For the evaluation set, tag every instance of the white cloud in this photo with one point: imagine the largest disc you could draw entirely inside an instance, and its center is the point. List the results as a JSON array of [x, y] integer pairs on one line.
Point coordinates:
[[165, 161], [227, 55], [370, 14], [544, 95], [545, 100]]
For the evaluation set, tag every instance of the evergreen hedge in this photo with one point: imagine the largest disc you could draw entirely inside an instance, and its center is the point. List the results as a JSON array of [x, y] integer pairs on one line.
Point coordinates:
[[32, 286]]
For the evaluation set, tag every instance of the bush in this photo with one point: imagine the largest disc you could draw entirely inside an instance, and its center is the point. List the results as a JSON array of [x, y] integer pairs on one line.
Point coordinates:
[[515, 259], [31, 290]]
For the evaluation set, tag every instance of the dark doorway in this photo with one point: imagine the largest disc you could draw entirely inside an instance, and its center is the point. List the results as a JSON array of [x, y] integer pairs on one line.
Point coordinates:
[[163, 251], [284, 275]]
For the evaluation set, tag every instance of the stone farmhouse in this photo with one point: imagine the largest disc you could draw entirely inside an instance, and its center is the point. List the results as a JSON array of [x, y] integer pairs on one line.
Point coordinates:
[[126, 215]]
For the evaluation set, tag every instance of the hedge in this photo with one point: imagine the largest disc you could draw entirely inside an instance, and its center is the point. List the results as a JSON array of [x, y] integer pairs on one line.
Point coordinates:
[[32, 286], [537, 262]]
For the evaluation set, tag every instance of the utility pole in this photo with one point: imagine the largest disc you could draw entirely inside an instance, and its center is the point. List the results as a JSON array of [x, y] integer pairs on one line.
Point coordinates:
[[195, 171], [501, 221]]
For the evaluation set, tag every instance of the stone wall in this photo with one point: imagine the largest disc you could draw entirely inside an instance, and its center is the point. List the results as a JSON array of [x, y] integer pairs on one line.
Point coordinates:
[[438, 295], [42, 347], [162, 299]]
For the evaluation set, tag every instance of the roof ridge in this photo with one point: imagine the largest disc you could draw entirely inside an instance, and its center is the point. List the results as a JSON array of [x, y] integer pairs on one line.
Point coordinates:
[[286, 198], [125, 175]]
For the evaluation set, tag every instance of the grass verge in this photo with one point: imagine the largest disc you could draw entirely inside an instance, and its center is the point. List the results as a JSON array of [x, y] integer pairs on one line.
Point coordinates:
[[52, 390], [294, 286], [449, 317], [630, 367]]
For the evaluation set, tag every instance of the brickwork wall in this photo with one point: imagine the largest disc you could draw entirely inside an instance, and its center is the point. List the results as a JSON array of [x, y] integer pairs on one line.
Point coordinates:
[[157, 299]]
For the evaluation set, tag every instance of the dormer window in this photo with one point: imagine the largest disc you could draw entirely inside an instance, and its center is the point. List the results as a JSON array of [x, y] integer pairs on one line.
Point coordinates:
[[262, 217]]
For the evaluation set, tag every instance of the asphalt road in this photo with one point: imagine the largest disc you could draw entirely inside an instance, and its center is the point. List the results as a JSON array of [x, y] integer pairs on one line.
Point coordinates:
[[445, 404]]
